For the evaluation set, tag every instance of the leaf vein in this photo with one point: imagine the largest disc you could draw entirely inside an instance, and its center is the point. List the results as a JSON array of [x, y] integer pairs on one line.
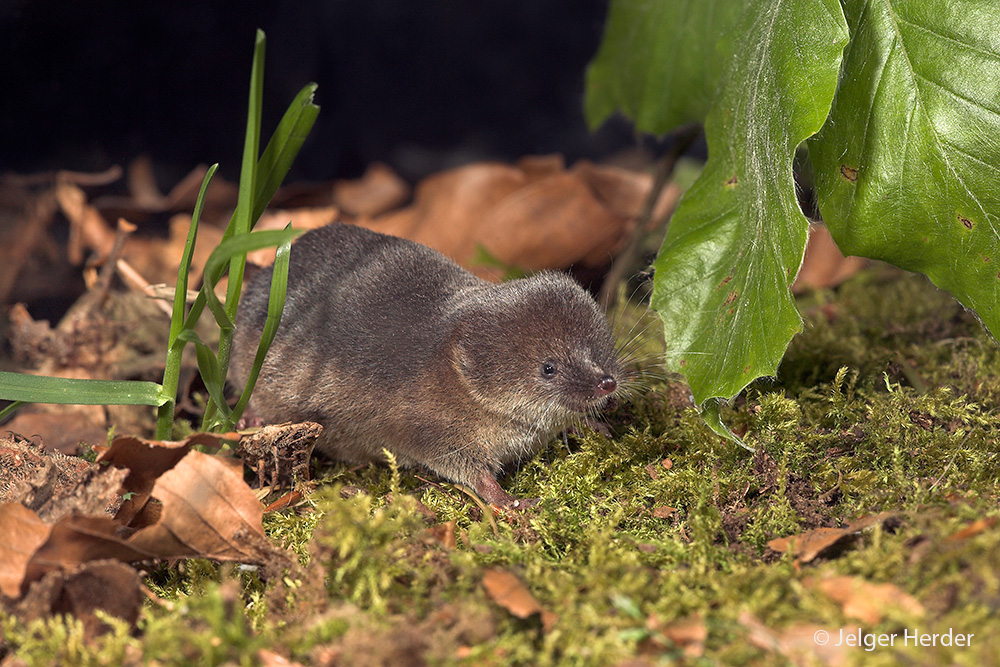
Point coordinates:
[[948, 38], [976, 104]]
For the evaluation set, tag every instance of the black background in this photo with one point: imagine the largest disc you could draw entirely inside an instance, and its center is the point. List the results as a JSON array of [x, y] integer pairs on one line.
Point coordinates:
[[420, 84]]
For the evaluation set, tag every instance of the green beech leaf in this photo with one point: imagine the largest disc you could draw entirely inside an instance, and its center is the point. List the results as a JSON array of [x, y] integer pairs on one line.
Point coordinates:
[[908, 164], [736, 240], [658, 61]]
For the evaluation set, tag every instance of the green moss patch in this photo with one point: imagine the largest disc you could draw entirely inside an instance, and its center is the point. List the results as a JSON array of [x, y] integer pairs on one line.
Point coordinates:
[[650, 544]]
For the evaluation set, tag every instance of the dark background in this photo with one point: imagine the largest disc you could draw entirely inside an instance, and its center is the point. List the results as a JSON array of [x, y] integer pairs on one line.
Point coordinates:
[[419, 84]]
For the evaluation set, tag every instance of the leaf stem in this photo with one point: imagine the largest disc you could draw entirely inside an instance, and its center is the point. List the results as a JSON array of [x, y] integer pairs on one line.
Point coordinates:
[[683, 139]]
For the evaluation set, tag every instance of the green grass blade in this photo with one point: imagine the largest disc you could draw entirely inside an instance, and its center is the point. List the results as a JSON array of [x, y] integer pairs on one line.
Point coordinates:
[[275, 306], [208, 367], [172, 367], [42, 389], [237, 246], [283, 147], [180, 291], [242, 220], [11, 409]]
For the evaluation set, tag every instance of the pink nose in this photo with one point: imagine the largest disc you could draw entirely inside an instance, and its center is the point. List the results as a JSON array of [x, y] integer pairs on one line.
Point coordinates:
[[607, 385]]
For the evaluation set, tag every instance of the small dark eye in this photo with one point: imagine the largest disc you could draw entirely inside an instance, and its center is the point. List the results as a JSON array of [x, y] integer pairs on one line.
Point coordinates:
[[548, 370]]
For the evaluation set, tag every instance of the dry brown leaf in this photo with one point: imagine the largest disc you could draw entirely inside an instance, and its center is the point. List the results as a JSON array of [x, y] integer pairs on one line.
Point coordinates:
[[107, 585], [664, 512], [74, 540], [142, 183], [975, 528], [279, 453], [450, 205], [144, 198], [31, 548], [204, 509], [269, 658], [21, 533], [798, 643], [88, 229], [624, 191], [23, 233], [208, 239], [824, 265], [813, 543], [810, 544], [866, 601], [379, 190], [208, 510], [553, 222], [284, 502], [536, 215], [145, 460], [541, 166], [688, 634], [444, 534], [220, 196], [157, 260], [61, 427], [508, 591]]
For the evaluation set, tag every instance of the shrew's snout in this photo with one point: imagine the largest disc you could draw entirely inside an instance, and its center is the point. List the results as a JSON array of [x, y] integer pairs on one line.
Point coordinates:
[[606, 385]]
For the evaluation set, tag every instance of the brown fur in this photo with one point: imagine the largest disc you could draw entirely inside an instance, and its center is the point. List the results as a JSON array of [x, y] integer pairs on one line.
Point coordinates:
[[389, 344]]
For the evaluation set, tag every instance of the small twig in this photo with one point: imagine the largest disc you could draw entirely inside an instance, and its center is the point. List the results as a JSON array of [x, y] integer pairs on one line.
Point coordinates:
[[626, 258], [950, 461], [106, 177], [911, 374], [95, 298], [486, 509], [109, 264], [134, 279]]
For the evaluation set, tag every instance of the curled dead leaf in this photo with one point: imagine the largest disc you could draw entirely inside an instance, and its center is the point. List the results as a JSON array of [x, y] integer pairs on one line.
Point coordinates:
[[207, 510], [145, 460], [975, 528], [379, 190], [279, 453], [688, 634], [508, 591], [798, 643], [105, 585], [663, 512], [444, 534], [21, 533], [88, 228], [864, 600], [809, 545], [184, 503], [535, 215]]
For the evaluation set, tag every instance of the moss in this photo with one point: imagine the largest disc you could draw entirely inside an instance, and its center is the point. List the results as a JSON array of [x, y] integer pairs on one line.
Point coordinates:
[[61, 640], [887, 402]]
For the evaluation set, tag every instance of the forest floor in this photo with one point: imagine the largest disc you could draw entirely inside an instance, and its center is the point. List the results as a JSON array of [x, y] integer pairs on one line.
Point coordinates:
[[875, 448], [863, 530]]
